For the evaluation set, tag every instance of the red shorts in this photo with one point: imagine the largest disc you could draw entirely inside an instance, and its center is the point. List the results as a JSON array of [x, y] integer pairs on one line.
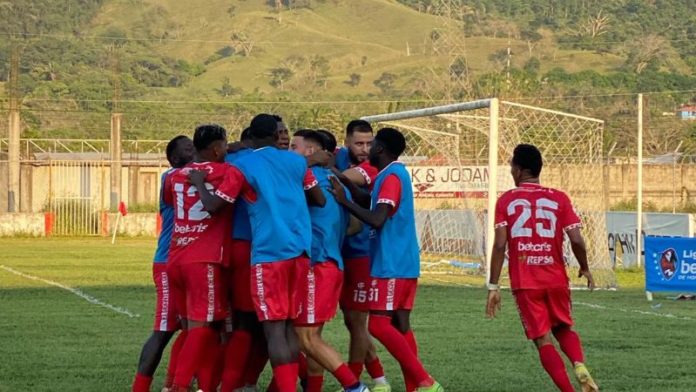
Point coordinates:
[[275, 288], [320, 294], [239, 276], [166, 317], [542, 309], [392, 294], [199, 291], [356, 284]]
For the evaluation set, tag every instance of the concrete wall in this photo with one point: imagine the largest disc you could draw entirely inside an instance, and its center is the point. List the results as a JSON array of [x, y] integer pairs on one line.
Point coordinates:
[[34, 224], [25, 224]]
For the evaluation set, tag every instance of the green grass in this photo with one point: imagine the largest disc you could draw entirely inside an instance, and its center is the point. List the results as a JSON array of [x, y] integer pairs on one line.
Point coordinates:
[[51, 340]]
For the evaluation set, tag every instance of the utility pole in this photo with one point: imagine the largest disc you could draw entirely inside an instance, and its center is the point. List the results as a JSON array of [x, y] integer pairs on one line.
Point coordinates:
[[14, 134], [116, 118]]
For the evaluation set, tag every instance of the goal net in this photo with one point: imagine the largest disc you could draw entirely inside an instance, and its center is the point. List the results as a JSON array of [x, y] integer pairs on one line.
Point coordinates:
[[458, 156]]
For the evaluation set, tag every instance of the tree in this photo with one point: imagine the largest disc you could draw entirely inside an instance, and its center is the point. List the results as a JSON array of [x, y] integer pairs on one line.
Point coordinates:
[[532, 66], [226, 89], [279, 76], [354, 80], [242, 42], [386, 82], [319, 69], [596, 25], [647, 50]]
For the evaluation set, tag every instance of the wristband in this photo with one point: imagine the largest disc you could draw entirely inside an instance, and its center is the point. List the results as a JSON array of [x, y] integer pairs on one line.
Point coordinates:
[[492, 286]]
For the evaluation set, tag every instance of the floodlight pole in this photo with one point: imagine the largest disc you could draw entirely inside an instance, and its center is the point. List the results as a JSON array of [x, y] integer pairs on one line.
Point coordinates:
[[639, 218], [494, 109]]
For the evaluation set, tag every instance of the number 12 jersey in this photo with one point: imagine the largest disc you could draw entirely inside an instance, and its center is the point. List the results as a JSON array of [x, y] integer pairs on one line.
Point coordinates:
[[536, 219]]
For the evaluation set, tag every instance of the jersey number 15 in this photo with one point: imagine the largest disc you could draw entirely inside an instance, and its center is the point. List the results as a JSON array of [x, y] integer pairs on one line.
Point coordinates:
[[544, 213]]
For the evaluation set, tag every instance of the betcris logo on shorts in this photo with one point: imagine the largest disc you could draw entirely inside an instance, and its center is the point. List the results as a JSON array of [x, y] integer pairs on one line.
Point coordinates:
[[670, 264]]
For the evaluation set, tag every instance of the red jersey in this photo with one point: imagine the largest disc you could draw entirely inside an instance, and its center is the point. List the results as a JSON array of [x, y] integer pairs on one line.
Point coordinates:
[[536, 219], [198, 236], [368, 172]]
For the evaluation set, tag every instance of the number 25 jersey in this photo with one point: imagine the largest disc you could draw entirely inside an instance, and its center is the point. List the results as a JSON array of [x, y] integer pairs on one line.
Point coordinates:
[[536, 219], [200, 237]]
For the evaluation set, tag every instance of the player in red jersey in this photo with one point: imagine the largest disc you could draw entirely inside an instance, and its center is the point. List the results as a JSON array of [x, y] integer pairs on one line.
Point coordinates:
[[531, 221], [199, 247]]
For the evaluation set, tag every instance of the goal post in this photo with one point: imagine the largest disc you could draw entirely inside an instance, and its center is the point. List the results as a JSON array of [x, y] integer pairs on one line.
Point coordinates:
[[458, 156]]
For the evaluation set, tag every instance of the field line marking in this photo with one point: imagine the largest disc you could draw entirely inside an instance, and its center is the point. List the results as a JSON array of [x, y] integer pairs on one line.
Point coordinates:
[[642, 312], [77, 292]]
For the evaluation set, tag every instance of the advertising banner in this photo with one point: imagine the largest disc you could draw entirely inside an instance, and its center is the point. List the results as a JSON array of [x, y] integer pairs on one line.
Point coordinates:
[[670, 264]]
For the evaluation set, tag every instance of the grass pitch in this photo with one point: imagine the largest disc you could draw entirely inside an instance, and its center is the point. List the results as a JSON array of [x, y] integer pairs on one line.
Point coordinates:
[[54, 340]]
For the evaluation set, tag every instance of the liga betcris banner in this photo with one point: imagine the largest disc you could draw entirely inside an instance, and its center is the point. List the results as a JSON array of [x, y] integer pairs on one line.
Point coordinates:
[[452, 181], [670, 264]]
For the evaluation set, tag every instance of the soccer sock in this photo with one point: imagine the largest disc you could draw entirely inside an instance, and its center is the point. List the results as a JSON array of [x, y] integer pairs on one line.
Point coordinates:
[[356, 368], [174, 357], [273, 386], [257, 361], [375, 369], [237, 353], [345, 376], [381, 328], [570, 344], [210, 371], [411, 385], [141, 383], [192, 354], [553, 364], [286, 377], [302, 366], [314, 383]]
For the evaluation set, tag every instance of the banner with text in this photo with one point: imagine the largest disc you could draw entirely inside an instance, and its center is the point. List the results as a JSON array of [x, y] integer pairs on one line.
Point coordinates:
[[670, 264], [451, 181]]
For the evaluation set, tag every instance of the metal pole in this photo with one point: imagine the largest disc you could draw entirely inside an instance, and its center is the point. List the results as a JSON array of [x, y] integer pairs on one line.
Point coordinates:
[[639, 223], [432, 111], [115, 160], [492, 181], [13, 190]]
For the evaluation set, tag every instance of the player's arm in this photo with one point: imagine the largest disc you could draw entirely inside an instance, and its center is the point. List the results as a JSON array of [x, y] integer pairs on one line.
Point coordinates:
[[227, 192], [313, 193], [360, 196], [321, 158], [375, 218], [500, 241], [572, 226], [354, 226]]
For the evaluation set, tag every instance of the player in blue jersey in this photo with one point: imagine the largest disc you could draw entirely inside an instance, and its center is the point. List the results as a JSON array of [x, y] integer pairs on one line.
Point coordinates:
[[179, 153], [352, 162], [277, 186], [325, 276], [394, 256]]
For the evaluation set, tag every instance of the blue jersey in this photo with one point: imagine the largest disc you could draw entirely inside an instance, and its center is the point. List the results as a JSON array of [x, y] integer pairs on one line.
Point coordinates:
[[166, 212], [394, 251], [329, 223], [241, 226], [357, 245], [280, 224]]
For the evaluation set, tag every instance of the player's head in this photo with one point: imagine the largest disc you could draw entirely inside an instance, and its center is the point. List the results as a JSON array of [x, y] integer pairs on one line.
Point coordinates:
[[263, 131], [387, 146], [297, 143], [358, 140], [245, 137], [180, 151], [283, 134], [330, 142], [526, 163], [210, 141], [313, 142]]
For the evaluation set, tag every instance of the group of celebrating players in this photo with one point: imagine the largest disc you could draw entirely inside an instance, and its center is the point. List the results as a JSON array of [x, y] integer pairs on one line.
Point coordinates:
[[259, 246]]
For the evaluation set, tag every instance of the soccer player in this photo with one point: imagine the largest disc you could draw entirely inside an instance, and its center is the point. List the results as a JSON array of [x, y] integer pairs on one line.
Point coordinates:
[[530, 221], [352, 161], [394, 256], [277, 186], [325, 276], [199, 247], [179, 153], [283, 133]]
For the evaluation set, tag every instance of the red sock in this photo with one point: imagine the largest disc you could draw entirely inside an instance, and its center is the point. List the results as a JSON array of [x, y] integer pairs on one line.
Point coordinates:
[[141, 383], [314, 383], [273, 386], [553, 364], [570, 343], [286, 377], [356, 368], [210, 372], [381, 328], [345, 376], [192, 354], [257, 361], [411, 384], [302, 366], [174, 357], [237, 353], [374, 368]]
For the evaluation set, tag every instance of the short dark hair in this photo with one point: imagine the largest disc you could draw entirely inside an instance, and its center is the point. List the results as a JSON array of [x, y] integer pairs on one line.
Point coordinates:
[[302, 132], [205, 135], [246, 134], [263, 126], [172, 145], [317, 138], [528, 157], [330, 140], [277, 118], [358, 126], [392, 140]]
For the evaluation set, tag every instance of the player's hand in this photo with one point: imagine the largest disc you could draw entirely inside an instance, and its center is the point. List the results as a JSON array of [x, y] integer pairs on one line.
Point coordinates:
[[337, 190], [590, 280], [197, 177], [493, 305], [342, 177]]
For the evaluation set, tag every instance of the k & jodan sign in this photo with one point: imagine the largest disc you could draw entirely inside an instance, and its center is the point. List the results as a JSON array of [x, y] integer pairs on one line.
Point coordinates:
[[451, 181], [670, 264]]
